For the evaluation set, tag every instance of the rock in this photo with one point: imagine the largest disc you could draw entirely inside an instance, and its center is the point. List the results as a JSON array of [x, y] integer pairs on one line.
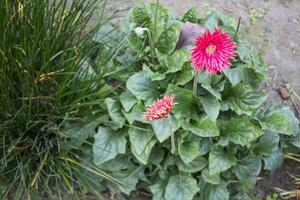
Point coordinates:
[[284, 93], [188, 33]]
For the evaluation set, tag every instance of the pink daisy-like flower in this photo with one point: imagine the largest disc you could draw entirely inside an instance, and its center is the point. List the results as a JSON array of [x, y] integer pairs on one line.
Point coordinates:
[[159, 109], [213, 51]]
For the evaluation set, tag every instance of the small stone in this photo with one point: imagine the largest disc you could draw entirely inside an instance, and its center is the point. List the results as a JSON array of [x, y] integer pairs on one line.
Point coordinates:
[[284, 93]]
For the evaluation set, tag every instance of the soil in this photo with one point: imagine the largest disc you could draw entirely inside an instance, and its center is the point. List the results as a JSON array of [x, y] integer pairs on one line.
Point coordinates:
[[270, 26]]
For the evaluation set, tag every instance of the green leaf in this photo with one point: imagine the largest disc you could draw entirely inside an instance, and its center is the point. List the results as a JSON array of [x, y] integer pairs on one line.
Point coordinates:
[[212, 179], [240, 131], [296, 140], [211, 21], [77, 133], [213, 192], [163, 128], [108, 145], [141, 143], [188, 148], [276, 121], [161, 15], [168, 39], [120, 162], [186, 75], [196, 165], [129, 179], [248, 167], [274, 161], [175, 61], [113, 108], [211, 106], [214, 84], [204, 127], [140, 16], [219, 160], [244, 196], [158, 190], [141, 86], [181, 187], [185, 102], [244, 99], [267, 143], [243, 51], [190, 16], [136, 114], [127, 100], [292, 118], [135, 42], [205, 144], [234, 75]]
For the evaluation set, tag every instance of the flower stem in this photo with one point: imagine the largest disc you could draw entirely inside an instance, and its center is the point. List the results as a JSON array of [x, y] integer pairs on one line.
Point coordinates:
[[173, 145], [151, 41], [237, 28], [195, 86]]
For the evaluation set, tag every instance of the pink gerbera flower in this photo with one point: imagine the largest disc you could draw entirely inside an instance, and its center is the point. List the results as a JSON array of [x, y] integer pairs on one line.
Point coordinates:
[[159, 109], [213, 51]]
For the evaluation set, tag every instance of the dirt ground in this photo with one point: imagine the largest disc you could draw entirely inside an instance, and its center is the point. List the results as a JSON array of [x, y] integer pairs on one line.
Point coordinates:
[[270, 26]]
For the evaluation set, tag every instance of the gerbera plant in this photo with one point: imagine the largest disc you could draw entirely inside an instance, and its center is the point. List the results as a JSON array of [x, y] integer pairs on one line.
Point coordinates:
[[221, 136]]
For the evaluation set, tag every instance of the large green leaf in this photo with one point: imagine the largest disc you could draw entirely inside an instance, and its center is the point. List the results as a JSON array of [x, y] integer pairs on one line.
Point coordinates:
[[220, 160], [168, 39], [204, 145], [188, 148], [185, 102], [248, 167], [141, 86], [129, 179], [211, 106], [158, 190], [276, 121], [194, 166], [175, 61], [127, 100], [163, 128], [190, 16], [181, 187], [113, 108], [186, 74], [240, 131], [141, 143], [292, 118], [135, 42], [267, 143], [214, 179], [136, 114], [214, 84], [140, 16], [108, 144], [296, 140], [204, 127], [274, 161], [234, 75], [213, 192], [244, 99]]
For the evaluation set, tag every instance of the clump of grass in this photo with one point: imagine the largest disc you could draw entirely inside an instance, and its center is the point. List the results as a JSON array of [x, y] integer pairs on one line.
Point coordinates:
[[43, 87]]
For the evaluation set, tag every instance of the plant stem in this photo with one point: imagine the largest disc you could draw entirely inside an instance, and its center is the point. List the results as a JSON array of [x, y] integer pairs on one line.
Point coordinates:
[[173, 145], [155, 22], [151, 41], [237, 28], [195, 86]]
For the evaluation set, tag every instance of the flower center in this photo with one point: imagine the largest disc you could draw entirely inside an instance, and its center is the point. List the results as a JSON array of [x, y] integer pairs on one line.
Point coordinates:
[[211, 49]]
